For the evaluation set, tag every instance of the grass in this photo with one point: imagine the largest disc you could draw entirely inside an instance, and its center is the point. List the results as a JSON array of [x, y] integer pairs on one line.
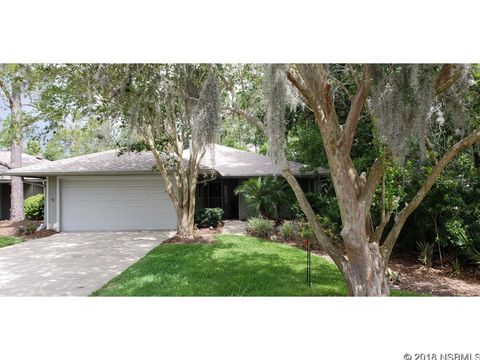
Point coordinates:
[[8, 240], [232, 266]]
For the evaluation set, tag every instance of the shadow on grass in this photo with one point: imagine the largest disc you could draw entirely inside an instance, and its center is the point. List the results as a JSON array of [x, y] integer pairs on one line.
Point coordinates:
[[232, 266]]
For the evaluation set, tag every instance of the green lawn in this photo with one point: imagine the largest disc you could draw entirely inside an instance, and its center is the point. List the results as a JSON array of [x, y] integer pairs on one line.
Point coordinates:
[[232, 266], [7, 240]]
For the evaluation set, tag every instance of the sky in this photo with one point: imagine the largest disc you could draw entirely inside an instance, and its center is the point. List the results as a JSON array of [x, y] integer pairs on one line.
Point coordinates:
[[5, 112]]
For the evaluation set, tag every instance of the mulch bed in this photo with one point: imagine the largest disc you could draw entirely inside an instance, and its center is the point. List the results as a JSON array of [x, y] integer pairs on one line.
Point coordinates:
[[436, 281], [9, 228], [40, 234], [202, 236], [209, 231], [194, 240]]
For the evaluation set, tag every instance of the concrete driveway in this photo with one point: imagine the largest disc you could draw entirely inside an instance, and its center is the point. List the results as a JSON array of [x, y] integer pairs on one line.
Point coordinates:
[[71, 263]]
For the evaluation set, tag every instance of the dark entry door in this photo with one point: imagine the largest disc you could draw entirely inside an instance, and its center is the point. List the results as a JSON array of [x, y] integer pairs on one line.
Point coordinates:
[[230, 200], [4, 201]]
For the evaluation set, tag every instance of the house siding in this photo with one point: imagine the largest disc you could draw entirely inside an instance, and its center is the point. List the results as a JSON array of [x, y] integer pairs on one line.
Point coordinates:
[[51, 203]]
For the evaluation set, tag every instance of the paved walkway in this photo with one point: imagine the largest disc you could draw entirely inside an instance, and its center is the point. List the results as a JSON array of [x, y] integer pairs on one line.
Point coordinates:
[[71, 263], [234, 227]]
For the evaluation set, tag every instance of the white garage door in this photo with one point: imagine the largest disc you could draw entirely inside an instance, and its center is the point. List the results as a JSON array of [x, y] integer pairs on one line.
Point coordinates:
[[115, 204]]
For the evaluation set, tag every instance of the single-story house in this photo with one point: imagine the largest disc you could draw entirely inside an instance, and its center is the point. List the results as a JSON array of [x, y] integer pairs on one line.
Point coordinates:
[[108, 191], [31, 185]]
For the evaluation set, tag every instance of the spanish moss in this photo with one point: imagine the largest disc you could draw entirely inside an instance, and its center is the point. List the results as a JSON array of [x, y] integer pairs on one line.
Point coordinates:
[[406, 107], [275, 88]]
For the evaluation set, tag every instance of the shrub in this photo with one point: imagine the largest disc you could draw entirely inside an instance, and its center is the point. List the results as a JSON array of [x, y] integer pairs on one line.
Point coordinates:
[[425, 255], [328, 213], [393, 276], [20, 231], [259, 227], [208, 217], [33, 207], [287, 230], [456, 267], [475, 257], [28, 229], [264, 195], [306, 232]]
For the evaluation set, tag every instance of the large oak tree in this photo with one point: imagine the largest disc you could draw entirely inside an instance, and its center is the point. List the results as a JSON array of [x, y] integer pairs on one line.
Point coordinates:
[[171, 110]]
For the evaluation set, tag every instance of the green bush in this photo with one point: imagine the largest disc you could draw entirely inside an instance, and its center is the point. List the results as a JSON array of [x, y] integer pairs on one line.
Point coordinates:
[[456, 267], [306, 232], [208, 217], [259, 227], [287, 230], [27, 229], [324, 205], [33, 206], [425, 255]]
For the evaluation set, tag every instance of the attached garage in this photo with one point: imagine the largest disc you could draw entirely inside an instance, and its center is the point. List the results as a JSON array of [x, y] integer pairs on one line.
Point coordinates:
[[114, 203]]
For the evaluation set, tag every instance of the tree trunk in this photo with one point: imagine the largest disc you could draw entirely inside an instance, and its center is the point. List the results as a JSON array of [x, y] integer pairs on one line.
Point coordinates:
[[186, 213], [365, 272], [16, 211], [185, 225], [181, 188]]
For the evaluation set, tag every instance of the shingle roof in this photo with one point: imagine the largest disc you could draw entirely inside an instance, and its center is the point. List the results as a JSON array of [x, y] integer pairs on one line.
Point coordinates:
[[27, 160], [227, 162], [230, 162], [5, 156], [101, 162]]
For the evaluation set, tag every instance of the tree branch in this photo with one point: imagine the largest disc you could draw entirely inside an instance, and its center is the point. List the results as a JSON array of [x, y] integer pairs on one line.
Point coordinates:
[[300, 85], [356, 107], [377, 234], [335, 253], [402, 217], [5, 164], [374, 176], [315, 78], [449, 74], [169, 186], [253, 120]]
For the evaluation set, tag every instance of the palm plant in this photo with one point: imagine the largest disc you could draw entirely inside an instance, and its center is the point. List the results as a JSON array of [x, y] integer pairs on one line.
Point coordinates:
[[425, 253], [264, 195]]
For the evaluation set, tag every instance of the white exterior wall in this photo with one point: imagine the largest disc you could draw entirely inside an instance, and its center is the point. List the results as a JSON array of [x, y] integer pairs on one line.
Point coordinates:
[[51, 203]]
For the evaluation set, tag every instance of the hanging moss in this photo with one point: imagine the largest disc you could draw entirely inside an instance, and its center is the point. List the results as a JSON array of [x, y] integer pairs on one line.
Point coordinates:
[[275, 88], [206, 115], [404, 102]]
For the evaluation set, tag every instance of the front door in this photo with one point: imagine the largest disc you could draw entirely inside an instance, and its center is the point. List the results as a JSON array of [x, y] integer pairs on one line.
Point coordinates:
[[230, 200]]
